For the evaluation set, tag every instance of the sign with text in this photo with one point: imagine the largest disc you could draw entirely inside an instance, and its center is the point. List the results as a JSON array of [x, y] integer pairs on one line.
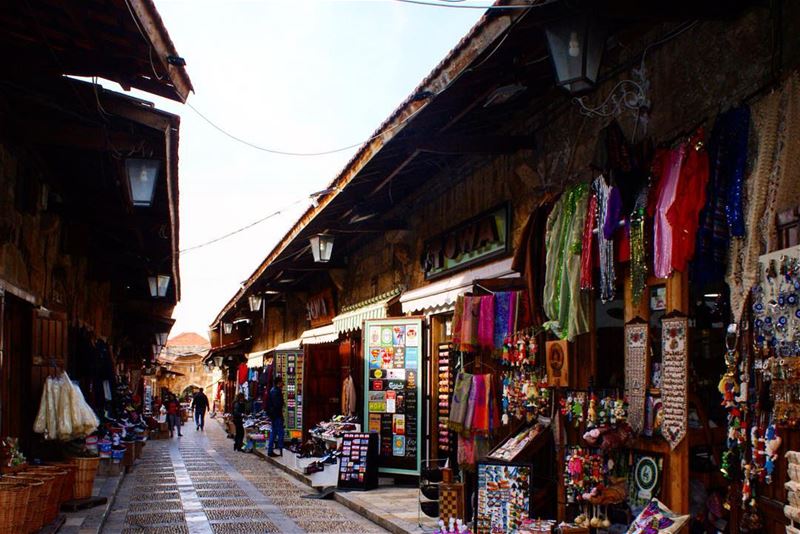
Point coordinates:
[[320, 308], [480, 238], [391, 404]]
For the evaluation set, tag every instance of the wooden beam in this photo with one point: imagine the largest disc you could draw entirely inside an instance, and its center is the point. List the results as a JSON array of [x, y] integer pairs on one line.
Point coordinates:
[[72, 135], [486, 144]]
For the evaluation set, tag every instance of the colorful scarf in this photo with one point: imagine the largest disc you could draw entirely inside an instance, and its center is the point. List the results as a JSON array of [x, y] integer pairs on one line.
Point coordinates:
[[469, 324], [486, 322], [460, 402], [478, 412], [502, 305], [458, 318]]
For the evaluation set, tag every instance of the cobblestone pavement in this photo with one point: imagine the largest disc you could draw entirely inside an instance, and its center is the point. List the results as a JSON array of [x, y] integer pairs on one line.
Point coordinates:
[[198, 484]]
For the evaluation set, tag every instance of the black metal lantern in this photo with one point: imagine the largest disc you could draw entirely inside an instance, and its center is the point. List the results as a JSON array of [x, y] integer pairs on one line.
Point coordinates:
[[576, 46], [322, 247], [142, 176]]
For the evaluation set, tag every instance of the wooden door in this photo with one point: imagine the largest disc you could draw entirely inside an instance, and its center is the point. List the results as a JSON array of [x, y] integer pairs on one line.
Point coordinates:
[[17, 404], [323, 384]]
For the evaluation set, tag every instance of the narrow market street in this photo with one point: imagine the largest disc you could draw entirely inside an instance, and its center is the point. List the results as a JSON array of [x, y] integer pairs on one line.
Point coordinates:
[[198, 484]]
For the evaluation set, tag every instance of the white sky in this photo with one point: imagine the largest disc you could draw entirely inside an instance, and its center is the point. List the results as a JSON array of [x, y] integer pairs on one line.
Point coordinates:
[[297, 75]]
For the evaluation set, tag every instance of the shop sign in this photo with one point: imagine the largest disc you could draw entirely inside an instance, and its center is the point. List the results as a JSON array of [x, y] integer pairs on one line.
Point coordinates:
[[320, 309], [476, 240]]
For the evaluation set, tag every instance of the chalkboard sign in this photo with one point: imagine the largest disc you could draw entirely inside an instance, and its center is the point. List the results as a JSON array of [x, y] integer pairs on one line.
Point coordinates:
[[358, 465]]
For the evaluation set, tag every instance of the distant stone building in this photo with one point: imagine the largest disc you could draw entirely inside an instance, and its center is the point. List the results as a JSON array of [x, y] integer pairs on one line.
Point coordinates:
[[181, 365]]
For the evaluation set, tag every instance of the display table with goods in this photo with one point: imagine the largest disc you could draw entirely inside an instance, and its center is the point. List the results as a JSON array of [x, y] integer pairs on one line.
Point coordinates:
[[331, 432]]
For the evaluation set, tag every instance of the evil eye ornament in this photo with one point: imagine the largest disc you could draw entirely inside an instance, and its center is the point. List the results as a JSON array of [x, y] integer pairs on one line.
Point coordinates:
[[797, 313], [782, 320], [792, 299], [759, 323], [759, 307]]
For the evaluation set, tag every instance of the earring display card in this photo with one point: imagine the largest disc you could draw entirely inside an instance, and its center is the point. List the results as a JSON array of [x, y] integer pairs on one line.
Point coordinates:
[[445, 391], [503, 497], [393, 353]]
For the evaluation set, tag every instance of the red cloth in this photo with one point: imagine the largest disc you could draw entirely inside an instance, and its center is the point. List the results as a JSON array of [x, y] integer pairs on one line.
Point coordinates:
[[587, 248], [241, 374], [684, 214], [173, 407]]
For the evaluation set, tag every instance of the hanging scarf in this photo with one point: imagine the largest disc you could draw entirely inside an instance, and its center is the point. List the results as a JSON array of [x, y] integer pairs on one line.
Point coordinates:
[[502, 326], [587, 281], [486, 322], [638, 246], [662, 230], [469, 328], [460, 402], [605, 244], [478, 412], [458, 318]]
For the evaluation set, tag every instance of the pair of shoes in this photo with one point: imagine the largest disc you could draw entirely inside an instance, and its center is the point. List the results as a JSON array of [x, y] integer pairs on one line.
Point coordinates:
[[180, 435], [273, 455], [196, 429]]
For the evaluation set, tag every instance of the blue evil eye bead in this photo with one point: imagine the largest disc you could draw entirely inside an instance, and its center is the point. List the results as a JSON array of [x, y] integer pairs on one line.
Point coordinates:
[[781, 301], [782, 320], [773, 342], [792, 299], [760, 338], [797, 284], [759, 323], [797, 313], [768, 320], [758, 306]]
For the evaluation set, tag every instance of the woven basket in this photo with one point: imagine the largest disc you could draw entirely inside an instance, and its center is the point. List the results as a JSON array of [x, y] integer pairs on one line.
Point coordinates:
[[63, 479], [68, 491], [52, 493], [84, 476], [14, 497], [34, 519]]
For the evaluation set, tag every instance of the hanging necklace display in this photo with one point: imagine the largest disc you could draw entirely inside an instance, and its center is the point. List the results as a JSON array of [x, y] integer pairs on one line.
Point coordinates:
[[674, 388], [608, 280], [638, 244], [636, 365]]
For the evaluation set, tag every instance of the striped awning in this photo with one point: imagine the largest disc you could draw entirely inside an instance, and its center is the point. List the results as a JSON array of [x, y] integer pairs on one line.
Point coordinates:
[[315, 336], [353, 316]]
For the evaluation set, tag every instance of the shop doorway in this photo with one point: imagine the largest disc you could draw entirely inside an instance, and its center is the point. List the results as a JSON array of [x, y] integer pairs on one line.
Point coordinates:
[[323, 382], [17, 407]]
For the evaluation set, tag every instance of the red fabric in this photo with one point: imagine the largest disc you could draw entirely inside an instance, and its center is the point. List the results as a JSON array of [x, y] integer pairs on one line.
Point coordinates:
[[241, 374], [173, 407], [622, 245], [587, 248], [684, 214]]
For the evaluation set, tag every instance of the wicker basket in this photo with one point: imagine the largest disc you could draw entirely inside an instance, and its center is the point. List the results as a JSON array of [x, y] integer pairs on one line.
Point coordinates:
[[62, 482], [34, 519], [14, 497], [84, 476], [68, 491], [52, 493]]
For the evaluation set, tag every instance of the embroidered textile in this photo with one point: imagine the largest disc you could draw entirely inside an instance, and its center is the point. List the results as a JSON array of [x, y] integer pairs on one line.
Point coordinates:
[[674, 382], [774, 183], [458, 321], [636, 347], [469, 326]]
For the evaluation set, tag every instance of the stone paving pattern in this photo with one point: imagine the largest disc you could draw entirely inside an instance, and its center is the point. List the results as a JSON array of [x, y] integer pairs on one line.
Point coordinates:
[[197, 484]]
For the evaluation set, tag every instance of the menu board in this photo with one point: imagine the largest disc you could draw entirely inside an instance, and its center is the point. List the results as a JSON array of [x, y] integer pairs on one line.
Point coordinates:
[[358, 467], [503, 497], [392, 404], [289, 364]]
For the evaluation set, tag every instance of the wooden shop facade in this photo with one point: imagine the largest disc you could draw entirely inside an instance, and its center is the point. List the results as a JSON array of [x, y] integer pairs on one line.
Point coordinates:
[[545, 274], [89, 270]]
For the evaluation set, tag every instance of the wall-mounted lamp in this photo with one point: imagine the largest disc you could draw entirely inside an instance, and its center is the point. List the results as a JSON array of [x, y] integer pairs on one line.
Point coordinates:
[[159, 284], [255, 302], [321, 247], [142, 176], [576, 47], [227, 327]]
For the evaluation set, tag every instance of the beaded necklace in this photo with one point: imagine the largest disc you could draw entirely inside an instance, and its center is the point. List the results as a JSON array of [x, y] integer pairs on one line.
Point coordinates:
[[608, 276]]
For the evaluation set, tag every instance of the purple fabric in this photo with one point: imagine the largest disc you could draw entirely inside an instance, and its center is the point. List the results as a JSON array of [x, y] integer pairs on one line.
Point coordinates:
[[502, 323], [486, 322]]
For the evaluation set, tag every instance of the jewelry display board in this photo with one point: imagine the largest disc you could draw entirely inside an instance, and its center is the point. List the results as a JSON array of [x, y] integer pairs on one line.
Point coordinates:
[[503, 497], [393, 354]]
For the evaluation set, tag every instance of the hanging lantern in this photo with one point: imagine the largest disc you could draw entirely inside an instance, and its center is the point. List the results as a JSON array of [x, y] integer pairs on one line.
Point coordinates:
[[576, 47], [227, 327], [218, 361], [142, 176], [161, 338], [255, 302], [156, 350], [158, 285], [321, 247]]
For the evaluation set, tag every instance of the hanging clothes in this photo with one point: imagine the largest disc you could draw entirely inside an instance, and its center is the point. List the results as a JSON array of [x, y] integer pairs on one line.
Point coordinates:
[[684, 214], [722, 215], [587, 252], [486, 322], [565, 305], [348, 396], [608, 206], [662, 230], [773, 184], [530, 258]]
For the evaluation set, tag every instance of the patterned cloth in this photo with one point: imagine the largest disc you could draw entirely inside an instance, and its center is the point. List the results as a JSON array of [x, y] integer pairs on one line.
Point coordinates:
[[503, 328], [460, 402], [486, 322], [662, 230]]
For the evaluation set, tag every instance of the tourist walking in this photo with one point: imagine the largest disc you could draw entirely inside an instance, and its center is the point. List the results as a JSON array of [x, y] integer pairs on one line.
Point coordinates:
[[239, 408], [200, 406], [174, 415], [276, 415]]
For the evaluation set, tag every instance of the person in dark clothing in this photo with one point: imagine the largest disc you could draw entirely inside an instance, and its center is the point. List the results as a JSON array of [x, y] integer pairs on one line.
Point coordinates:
[[239, 408], [200, 405], [276, 415], [174, 415]]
